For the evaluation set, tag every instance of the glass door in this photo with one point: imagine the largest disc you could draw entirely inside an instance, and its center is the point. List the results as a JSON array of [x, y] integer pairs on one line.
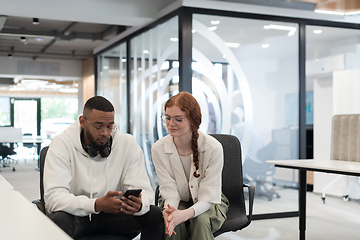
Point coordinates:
[[26, 115]]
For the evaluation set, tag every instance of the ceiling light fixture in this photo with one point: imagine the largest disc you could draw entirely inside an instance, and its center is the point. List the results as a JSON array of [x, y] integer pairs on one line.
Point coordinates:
[[330, 12], [146, 51], [232, 45], [317, 31], [215, 22], [212, 28], [352, 13], [36, 21], [174, 39], [291, 30], [265, 45], [193, 31], [68, 90]]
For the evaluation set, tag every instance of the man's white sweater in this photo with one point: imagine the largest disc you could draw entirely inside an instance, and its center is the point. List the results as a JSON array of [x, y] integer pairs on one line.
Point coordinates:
[[73, 180]]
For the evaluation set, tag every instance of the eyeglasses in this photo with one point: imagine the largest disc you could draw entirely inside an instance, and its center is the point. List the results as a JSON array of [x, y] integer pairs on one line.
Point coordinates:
[[100, 130], [175, 120]]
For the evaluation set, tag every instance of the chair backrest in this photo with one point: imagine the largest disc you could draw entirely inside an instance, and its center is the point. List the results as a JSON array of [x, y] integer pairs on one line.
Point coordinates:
[[42, 162], [232, 180], [345, 137]]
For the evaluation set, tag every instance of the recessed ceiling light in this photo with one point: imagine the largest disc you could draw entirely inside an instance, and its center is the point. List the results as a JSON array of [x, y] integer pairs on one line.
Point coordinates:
[[193, 31], [174, 39], [265, 45], [318, 31], [146, 51], [291, 30], [123, 60], [68, 90], [330, 12], [352, 13], [36, 21], [224, 56], [213, 28], [39, 39], [215, 22], [232, 45]]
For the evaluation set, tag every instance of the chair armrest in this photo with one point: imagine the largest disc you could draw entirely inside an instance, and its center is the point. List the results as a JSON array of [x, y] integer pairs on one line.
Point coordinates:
[[251, 202], [40, 205], [157, 195]]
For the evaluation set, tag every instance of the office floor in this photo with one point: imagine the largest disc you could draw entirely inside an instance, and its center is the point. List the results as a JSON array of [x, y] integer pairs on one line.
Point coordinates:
[[335, 219]]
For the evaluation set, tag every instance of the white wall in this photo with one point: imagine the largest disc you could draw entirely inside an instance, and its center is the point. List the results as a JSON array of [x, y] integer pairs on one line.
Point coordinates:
[[56, 69]]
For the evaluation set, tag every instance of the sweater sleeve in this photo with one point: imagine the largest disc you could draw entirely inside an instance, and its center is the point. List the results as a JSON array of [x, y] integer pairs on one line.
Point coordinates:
[[137, 177], [57, 178], [201, 207], [167, 183]]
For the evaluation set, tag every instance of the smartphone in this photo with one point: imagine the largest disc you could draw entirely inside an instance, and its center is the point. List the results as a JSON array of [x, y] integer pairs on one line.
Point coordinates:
[[134, 192]]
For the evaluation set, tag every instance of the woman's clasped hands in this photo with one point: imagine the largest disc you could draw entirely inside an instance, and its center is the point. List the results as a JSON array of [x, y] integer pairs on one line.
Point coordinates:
[[174, 216]]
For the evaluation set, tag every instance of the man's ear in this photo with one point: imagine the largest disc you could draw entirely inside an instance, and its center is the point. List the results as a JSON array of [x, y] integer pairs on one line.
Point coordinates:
[[82, 121]]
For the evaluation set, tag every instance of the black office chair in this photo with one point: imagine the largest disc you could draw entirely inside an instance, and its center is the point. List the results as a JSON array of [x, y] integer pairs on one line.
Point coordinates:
[[5, 153], [232, 186], [41, 205]]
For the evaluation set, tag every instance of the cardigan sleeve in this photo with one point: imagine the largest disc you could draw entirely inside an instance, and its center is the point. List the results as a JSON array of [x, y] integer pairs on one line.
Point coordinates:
[[167, 184]]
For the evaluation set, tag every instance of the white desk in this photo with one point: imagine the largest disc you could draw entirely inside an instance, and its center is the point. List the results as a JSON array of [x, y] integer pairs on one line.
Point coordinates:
[[316, 165], [19, 219], [5, 185]]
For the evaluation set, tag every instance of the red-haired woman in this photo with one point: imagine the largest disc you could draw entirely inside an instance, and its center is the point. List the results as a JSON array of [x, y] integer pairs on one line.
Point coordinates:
[[188, 164]]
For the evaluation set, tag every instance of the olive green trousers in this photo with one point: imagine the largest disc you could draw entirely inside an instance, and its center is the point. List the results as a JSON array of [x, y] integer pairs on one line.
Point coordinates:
[[203, 226]]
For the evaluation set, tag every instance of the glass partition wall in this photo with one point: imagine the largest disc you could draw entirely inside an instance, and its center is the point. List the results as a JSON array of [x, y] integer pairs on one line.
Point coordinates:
[[154, 79], [245, 77], [112, 68], [246, 71]]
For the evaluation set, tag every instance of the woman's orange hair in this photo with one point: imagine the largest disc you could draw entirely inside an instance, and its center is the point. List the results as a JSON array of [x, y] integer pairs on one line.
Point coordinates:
[[188, 104]]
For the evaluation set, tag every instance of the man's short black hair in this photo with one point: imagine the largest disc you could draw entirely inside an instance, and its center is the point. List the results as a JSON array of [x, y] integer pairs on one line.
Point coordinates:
[[99, 103]]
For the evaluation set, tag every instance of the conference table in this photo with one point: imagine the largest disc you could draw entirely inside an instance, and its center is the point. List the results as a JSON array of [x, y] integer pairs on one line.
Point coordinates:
[[316, 165], [5, 185], [20, 219]]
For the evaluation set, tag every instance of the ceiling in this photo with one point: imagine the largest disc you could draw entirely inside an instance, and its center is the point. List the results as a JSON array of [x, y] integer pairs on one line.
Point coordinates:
[[19, 37], [73, 33]]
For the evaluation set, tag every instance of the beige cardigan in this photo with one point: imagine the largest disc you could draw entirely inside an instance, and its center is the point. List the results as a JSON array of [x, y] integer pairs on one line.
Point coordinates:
[[174, 186]]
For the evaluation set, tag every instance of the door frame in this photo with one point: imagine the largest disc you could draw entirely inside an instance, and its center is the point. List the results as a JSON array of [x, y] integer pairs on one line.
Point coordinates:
[[38, 111]]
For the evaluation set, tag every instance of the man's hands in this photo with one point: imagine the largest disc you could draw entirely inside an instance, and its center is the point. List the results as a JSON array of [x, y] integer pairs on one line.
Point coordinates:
[[174, 216], [110, 204]]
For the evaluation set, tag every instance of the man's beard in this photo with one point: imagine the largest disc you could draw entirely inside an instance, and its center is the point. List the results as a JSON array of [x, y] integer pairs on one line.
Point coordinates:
[[92, 141]]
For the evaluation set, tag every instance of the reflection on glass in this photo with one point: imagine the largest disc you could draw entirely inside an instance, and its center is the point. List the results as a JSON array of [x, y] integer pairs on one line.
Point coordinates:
[[154, 78], [245, 77], [112, 82]]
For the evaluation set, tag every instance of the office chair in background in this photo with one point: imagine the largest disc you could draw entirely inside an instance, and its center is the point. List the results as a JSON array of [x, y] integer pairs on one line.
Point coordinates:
[[31, 146], [260, 171], [41, 205], [6, 153], [232, 186]]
